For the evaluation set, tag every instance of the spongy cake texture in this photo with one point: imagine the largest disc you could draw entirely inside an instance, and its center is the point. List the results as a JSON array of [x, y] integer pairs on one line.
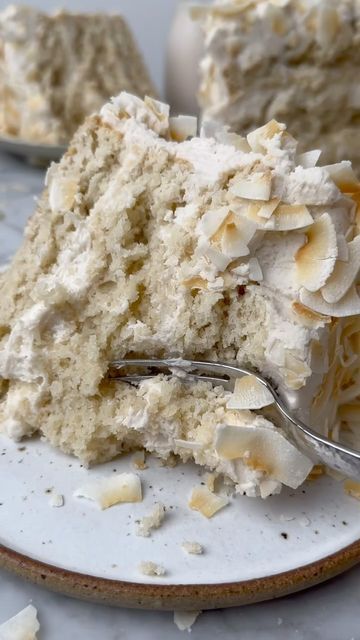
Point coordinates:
[[57, 69], [145, 246]]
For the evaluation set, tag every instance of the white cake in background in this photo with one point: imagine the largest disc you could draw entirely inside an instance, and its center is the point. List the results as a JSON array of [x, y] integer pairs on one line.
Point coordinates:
[[293, 60], [215, 247], [56, 70]]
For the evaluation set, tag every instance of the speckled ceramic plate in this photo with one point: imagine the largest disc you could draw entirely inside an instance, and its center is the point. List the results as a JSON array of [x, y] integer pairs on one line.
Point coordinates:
[[36, 153], [254, 549]]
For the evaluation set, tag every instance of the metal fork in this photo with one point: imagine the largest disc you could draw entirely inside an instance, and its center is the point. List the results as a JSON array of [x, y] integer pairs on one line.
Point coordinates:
[[320, 449]]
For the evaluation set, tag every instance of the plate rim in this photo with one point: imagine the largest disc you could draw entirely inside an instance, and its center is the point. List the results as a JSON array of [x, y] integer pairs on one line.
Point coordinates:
[[135, 595]]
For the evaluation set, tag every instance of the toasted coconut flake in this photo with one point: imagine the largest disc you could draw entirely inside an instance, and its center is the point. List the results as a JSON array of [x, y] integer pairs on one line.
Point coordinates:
[[210, 479], [343, 249], [272, 452], [184, 620], [352, 488], [266, 209], [344, 274], [124, 487], [23, 626], [288, 217], [138, 460], [206, 502], [309, 318], [193, 548], [217, 258], [255, 186], [183, 127], [253, 213], [255, 272], [212, 221], [309, 159], [188, 444], [349, 413], [232, 243], [349, 305], [344, 177], [249, 393], [315, 261], [256, 138], [151, 569], [153, 521], [234, 140], [195, 283]]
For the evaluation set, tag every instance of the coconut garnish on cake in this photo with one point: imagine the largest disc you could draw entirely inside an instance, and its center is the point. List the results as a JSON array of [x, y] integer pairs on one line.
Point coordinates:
[[57, 69], [292, 60], [214, 248]]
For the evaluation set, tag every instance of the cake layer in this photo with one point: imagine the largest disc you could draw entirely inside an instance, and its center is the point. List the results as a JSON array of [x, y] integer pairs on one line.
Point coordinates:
[[56, 70], [148, 244], [293, 60]]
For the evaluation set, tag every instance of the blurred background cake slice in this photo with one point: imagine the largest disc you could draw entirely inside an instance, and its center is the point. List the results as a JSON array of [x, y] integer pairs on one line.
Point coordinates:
[[57, 69], [151, 241], [292, 60]]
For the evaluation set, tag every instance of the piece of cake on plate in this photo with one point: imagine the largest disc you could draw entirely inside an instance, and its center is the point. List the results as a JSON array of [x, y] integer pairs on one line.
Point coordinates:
[[148, 242], [292, 60], [57, 69]]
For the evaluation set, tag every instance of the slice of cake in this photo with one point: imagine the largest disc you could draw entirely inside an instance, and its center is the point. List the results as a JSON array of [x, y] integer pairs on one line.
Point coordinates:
[[56, 70], [148, 244], [292, 60]]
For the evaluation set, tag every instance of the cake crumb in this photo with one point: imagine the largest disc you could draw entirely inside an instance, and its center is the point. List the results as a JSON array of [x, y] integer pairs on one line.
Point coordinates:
[[184, 620], [151, 569], [153, 521], [56, 500], [193, 548]]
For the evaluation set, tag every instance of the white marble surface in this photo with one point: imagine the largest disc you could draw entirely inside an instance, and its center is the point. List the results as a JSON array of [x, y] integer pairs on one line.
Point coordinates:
[[329, 611]]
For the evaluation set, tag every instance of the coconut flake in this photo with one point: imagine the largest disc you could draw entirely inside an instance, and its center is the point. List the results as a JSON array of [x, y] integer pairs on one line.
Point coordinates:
[[208, 503], [211, 221], [56, 500], [23, 626], [352, 488], [343, 248], [255, 271], [266, 209], [184, 620], [232, 243], [349, 305], [249, 393], [255, 186], [344, 176], [287, 217], [309, 159], [182, 127], [124, 487], [269, 450], [344, 274], [308, 317], [138, 460], [257, 137], [188, 444], [315, 261]]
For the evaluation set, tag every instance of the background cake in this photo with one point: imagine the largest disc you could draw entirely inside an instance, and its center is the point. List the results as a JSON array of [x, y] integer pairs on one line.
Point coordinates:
[[292, 60], [217, 247], [55, 70]]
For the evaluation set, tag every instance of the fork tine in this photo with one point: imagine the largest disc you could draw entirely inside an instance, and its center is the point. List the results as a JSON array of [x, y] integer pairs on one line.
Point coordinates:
[[136, 379]]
